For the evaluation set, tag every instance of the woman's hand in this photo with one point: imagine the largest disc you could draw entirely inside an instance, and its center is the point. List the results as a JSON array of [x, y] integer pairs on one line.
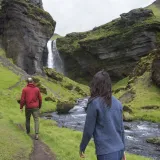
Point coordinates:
[[81, 154], [124, 156]]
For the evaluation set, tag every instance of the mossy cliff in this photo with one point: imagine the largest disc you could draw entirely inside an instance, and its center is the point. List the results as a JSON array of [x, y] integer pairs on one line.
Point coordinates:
[[140, 92], [25, 29], [115, 46]]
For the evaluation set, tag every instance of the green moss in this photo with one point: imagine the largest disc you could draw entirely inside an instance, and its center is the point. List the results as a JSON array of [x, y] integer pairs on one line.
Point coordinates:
[[2, 52], [55, 36], [146, 93], [22, 2], [144, 65], [9, 78], [37, 13], [155, 10], [155, 140], [121, 84]]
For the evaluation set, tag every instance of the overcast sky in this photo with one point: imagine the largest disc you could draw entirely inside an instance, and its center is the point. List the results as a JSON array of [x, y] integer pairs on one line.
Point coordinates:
[[83, 15]]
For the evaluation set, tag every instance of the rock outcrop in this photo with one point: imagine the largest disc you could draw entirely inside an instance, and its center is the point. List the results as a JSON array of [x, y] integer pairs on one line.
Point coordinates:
[[25, 29], [37, 3], [156, 69], [115, 47]]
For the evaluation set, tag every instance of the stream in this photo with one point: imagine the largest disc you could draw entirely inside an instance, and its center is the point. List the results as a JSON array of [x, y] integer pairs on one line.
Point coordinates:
[[136, 132]]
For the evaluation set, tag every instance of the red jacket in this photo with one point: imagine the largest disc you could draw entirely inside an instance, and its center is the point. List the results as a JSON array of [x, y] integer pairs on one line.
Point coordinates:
[[31, 97]]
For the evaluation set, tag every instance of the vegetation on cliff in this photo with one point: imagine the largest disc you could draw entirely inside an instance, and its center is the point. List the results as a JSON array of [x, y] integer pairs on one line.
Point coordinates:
[[28, 27], [125, 39], [55, 36], [138, 93]]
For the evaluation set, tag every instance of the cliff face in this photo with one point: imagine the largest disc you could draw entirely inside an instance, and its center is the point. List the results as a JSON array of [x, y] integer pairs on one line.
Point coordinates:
[[37, 3], [115, 47], [25, 29]]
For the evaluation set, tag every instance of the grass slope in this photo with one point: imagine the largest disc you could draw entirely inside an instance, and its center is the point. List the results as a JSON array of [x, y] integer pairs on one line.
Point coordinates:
[[62, 141], [145, 103], [13, 142]]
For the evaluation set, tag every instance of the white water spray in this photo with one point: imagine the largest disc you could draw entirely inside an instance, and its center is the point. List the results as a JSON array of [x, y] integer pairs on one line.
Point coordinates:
[[50, 54], [54, 59]]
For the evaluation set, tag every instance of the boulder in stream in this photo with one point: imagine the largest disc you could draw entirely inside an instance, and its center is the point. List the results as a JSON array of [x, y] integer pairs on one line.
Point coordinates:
[[64, 107], [155, 140]]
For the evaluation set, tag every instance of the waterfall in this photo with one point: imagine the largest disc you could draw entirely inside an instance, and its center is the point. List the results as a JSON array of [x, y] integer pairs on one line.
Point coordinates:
[[54, 59], [50, 54]]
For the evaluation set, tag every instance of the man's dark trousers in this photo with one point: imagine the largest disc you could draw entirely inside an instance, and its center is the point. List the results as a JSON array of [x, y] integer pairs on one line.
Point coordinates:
[[35, 113]]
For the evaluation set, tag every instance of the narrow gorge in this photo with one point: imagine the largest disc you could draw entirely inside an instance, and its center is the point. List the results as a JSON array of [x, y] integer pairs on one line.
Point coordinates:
[[62, 67]]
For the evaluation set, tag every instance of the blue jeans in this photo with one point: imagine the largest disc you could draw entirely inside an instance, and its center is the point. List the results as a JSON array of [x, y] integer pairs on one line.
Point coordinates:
[[111, 156]]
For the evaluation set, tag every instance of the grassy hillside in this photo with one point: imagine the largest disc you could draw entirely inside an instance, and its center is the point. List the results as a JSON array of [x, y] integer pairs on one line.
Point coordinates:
[[64, 142], [13, 142], [139, 93]]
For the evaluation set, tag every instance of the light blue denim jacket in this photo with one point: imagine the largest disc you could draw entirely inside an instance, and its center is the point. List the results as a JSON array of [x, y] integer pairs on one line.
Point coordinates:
[[105, 124]]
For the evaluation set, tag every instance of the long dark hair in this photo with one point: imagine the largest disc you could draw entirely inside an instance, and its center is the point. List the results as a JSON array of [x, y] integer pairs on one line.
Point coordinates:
[[101, 86]]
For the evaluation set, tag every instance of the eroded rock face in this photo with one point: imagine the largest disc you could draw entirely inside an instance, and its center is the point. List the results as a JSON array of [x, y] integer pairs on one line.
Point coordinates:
[[156, 72], [157, 2], [25, 30], [115, 47], [135, 15], [37, 3]]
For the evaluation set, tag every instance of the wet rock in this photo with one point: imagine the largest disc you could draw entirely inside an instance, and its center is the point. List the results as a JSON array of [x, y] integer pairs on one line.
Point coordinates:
[[42, 88], [48, 116], [64, 107], [37, 3], [127, 109], [18, 101], [127, 127], [25, 30], [155, 140], [127, 117], [156, 72], [51, 73], [127, 97]]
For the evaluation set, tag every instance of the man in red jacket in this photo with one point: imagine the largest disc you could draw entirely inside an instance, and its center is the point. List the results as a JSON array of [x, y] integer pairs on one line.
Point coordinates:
[[32, 100]]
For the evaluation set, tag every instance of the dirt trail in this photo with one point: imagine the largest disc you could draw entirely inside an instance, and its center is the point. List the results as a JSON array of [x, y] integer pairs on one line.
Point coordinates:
[[41, 151]]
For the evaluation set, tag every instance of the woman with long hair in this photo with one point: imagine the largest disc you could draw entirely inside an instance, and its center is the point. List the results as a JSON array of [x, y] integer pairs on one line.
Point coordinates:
[[104, 121]]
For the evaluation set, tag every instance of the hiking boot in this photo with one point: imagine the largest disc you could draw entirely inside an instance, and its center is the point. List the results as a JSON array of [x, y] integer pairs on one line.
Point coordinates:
[[36, 137]]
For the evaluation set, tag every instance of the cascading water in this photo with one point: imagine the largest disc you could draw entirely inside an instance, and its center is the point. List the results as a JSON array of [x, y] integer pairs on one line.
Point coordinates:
[[50, 54], [54, 59]]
